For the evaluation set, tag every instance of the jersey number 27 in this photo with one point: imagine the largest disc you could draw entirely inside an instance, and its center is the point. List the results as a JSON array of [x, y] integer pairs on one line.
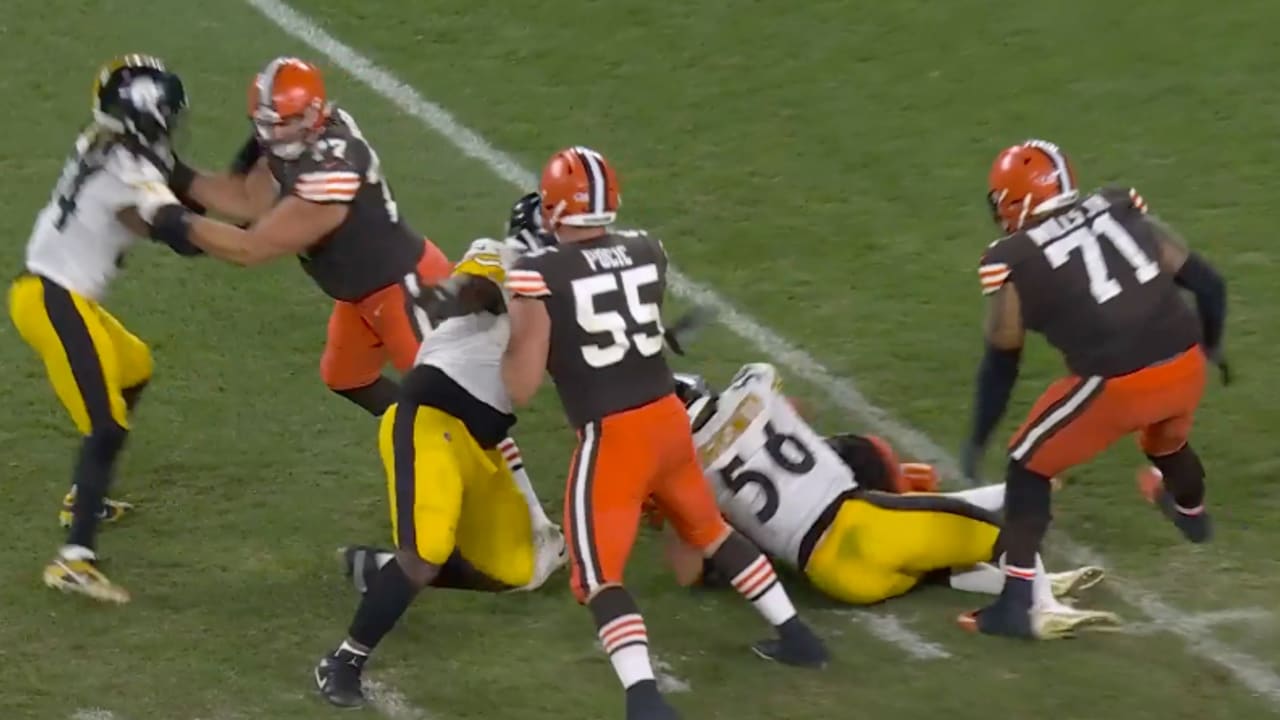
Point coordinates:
[[1086, 239], [625, 333]]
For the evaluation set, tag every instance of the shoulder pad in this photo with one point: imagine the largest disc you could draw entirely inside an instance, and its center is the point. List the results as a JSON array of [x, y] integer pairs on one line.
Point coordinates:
[[131, 168]]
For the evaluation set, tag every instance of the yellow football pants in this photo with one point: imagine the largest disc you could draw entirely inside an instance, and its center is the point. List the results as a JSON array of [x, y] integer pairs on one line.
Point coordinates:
[[448, 493], [89, 356], [881, 545]]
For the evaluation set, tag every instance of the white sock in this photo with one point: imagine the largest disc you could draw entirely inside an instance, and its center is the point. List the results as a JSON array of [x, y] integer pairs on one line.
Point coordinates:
[[346, 646], [981, 578], [511, 453], [990, 497], [626, 641], [759, 584], [77, 552], [1041, 587]]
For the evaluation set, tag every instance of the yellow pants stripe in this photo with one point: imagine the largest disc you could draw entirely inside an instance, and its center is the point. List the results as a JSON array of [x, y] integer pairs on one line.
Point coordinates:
[[89, 357]]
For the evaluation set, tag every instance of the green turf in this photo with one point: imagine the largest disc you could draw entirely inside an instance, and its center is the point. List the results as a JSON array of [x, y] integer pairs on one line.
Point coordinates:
[[822, 164]]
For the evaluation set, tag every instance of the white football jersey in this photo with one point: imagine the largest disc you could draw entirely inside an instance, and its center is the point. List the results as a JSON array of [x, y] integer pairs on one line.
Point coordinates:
[[773, 476], [469, 348], [78, 241]]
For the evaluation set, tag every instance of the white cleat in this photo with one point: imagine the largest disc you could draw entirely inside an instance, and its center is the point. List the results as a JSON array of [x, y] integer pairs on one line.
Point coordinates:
[[549, 555], [1073, 582], [1058, 622]]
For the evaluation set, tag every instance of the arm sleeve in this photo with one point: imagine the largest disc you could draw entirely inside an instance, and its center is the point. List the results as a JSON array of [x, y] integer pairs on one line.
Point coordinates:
[[525, 279]]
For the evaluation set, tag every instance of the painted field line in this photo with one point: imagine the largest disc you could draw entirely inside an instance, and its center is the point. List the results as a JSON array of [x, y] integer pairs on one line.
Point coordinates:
[[390, 703], [94, 714], [1250, 671], [890, 628]]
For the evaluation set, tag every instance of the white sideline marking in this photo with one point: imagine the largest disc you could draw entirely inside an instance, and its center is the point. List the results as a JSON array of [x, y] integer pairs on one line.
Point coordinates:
[[887, 627], [1253, 673], [93, 714]]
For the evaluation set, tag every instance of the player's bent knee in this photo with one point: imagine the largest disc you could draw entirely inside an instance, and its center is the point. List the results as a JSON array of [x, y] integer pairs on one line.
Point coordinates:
[[419, 570]]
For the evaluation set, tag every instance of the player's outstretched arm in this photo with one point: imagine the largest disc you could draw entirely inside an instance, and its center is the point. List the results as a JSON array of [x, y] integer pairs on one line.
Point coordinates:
[[291, 227], [245, 193], [1194, 273], [1004, 333]]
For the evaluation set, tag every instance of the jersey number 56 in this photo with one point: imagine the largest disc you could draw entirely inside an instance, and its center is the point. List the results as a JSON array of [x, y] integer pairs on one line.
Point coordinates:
[[786, 452]]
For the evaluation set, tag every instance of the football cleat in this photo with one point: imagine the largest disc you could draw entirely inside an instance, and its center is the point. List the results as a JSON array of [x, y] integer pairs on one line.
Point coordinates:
[[1195, 525], [1074, 582], [796, 645], [82, 576], [337, 677], [1057, 622], [112, 510]]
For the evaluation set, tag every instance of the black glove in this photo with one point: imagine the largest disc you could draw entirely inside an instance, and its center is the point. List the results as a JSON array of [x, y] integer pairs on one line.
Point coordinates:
[[247, 156], [687, 326], [171, 225]]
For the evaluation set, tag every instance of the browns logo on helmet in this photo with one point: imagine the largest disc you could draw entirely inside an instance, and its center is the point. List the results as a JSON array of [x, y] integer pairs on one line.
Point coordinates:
[[1027, 180]]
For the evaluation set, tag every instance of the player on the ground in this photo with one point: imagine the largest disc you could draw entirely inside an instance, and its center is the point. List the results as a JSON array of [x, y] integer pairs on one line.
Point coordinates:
[[588, 310], [834, 507], [97, 368], [318, 193], [1098, 277], [459, 516]]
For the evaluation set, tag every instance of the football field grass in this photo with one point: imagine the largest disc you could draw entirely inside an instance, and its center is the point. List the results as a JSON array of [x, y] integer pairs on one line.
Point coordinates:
[[821, 167]]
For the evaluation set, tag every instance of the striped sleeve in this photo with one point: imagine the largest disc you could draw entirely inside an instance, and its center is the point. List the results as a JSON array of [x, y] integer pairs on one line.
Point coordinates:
[[527, 283], [992, 276], [1136, 200], [331, 186]]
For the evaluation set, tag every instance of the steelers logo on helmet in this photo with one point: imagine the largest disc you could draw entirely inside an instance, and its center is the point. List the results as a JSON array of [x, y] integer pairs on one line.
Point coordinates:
[[137, 96]]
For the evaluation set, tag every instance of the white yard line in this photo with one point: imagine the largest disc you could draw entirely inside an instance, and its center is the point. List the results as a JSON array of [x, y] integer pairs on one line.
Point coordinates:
[[94, 714], [887, 627], [1250, 671]]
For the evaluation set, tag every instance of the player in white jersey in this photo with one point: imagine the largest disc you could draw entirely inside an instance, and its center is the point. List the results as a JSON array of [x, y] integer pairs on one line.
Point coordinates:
[[460, 517], [833, 507], [97, 368]]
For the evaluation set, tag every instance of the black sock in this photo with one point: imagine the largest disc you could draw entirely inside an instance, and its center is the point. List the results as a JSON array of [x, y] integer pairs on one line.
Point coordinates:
[[1027, 515], [92, 479], [375, 397], [388, 598], [1183, 477], [133, 395]]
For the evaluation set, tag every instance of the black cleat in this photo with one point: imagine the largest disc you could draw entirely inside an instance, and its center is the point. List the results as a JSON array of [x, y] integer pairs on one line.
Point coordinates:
[[1002, 617], [1196, 527], [795, 645], [337, 678], [644, 702]]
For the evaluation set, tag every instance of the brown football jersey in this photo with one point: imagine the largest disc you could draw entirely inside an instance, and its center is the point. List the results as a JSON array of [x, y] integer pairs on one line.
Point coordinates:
[[373, 247], [604, 297], [1089, 280]]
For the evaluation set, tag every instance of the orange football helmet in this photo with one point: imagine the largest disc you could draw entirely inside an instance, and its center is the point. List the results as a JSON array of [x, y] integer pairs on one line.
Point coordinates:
[[1028, 180], [579, 189], [287, 105]]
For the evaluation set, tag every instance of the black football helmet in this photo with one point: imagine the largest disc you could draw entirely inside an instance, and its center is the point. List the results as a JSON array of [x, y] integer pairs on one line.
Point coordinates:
[[136, 96], [700, 401], [525, 224]]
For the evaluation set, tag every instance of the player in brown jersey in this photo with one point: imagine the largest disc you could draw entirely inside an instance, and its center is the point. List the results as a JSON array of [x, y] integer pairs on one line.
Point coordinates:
[[319, 194], [588, 310], [1098, 277]]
